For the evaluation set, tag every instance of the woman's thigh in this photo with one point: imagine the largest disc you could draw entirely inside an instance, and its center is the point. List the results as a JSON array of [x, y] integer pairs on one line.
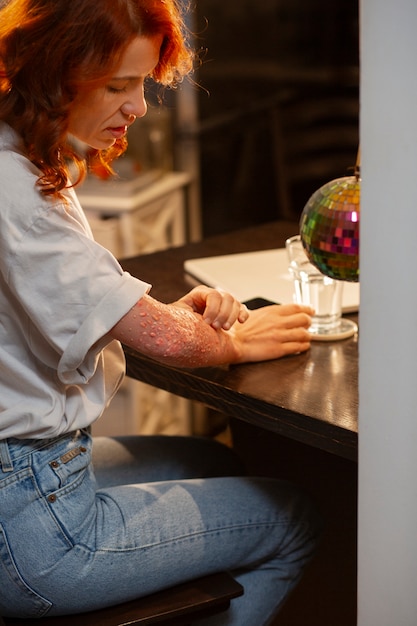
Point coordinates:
[[137, 459], [146, 537], [80, 548]]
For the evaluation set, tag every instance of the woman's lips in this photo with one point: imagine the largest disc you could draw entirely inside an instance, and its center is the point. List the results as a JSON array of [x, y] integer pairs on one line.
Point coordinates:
[[118, 131]]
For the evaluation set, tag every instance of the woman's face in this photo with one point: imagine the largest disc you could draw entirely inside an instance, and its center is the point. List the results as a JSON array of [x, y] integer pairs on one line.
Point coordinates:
[[101, 115]]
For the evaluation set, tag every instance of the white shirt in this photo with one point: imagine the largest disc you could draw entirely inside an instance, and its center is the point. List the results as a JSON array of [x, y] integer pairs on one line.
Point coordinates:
[[60, 293]]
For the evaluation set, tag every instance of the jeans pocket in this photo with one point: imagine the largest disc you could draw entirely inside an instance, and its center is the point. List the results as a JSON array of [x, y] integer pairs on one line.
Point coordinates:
[[65, 479], [71, 466], [17, 599]]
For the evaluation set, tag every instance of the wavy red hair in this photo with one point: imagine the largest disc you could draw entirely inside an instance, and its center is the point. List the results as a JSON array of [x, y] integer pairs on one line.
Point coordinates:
[[49, 49]]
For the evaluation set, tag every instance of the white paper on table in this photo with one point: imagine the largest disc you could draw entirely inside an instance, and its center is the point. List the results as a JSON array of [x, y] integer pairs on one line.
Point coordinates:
[[261, 274]]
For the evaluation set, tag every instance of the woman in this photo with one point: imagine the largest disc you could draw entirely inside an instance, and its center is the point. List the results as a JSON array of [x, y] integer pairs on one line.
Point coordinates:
[[72, 538]]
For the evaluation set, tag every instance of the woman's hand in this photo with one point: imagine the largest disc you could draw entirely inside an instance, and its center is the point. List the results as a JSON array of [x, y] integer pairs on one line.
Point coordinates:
[[272, 332], [218, 308]]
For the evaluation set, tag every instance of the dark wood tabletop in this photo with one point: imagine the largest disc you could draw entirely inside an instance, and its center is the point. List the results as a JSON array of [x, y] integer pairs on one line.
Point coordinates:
[[311, 398]]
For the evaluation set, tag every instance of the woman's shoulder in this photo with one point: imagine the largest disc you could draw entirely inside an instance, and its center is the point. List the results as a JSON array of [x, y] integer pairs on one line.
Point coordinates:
[[15, 167], [21, 202]]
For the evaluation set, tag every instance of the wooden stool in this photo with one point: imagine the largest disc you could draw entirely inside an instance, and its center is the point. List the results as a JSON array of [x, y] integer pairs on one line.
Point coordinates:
[[177, 606]]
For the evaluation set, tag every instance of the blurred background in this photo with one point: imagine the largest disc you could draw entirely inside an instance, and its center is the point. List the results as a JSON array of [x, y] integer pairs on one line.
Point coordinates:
[[275, 112]]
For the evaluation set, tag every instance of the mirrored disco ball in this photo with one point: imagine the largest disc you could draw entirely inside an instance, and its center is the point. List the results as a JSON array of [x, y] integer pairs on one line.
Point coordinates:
[[329, 228]]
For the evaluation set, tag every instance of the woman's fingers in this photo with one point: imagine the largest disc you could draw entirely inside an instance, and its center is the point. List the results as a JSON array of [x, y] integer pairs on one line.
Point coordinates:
[[218, 308], [223, 310]]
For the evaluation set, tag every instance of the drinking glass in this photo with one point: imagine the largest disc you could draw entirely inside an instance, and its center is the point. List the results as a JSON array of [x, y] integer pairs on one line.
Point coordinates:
[[313, 288]]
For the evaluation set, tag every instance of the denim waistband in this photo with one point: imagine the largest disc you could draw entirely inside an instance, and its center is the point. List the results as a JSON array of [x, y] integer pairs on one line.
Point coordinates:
[[13, 449]]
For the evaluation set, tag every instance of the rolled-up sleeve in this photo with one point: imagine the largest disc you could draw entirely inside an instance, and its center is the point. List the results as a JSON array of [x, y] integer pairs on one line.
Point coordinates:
[[73, 291]]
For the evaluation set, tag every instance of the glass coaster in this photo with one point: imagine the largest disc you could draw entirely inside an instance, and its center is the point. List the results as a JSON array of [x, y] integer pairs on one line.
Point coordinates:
[[346, 328]]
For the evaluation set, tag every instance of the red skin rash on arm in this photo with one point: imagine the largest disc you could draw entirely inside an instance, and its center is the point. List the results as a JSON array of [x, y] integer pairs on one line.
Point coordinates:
[[173, 334]]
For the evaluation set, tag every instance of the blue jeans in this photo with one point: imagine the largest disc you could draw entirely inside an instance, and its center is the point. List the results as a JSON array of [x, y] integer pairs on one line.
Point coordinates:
[[155, 511]]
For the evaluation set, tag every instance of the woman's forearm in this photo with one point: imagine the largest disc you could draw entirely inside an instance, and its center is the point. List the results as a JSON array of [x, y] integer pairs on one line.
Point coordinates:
[[179, 335], [174, 335]]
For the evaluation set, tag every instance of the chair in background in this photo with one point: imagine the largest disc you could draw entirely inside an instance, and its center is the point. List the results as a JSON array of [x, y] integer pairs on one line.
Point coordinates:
[[315, 139], [284, 146]]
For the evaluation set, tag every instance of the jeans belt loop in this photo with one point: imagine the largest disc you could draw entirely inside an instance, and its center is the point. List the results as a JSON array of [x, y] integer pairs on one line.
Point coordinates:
[[5, 459]]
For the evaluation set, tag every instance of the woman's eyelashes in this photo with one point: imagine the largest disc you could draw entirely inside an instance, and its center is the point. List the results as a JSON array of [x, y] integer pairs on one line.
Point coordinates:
[[112, 89]]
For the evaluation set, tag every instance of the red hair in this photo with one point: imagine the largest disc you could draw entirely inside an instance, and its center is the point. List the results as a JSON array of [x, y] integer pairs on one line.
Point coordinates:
[[49, 49]]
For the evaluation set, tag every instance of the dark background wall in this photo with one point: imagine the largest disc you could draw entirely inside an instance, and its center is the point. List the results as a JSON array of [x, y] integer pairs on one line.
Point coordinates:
[[278, 105]]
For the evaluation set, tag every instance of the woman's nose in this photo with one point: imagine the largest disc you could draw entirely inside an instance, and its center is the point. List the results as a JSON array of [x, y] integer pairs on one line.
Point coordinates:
[[136, 105]]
